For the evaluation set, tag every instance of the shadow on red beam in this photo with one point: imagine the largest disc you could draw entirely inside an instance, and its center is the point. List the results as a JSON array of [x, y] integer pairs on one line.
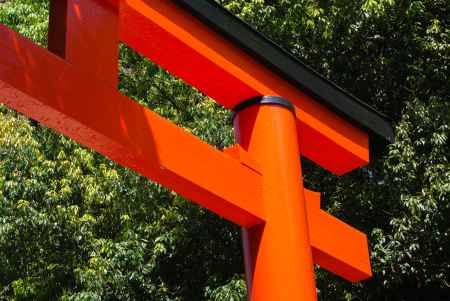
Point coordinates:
[[190, 50], [46, 88]]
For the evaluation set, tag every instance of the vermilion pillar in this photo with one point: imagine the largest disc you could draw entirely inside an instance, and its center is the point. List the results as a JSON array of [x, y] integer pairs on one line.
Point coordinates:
[[278, 257]]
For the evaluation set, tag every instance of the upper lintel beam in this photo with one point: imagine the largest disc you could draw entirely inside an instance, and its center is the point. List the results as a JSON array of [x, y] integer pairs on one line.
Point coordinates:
[[179, 42]]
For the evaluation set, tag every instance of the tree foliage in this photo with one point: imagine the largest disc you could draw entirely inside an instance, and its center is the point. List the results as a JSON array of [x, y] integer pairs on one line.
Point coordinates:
[[75, 226], [395, 55]]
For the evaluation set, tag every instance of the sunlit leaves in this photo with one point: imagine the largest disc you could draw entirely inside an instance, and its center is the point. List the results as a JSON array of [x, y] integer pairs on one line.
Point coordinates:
[[75, 226], [393, 55]]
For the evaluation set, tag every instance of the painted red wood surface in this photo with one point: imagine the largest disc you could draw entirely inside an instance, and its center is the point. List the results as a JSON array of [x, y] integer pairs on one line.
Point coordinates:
[[335, 244], [277, 254], [101, 118], [189, 49], [48, 89], [75, 93]]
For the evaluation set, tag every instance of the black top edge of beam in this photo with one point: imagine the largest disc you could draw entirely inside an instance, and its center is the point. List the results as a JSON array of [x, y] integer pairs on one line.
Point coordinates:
[[290, 68], [263, 100]]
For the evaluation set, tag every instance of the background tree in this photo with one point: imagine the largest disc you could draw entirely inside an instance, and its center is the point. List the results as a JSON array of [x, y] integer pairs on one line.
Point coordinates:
[[75, 226]]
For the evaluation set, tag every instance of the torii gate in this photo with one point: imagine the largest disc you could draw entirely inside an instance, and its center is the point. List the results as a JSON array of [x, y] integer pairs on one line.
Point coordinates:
[[282, 110]]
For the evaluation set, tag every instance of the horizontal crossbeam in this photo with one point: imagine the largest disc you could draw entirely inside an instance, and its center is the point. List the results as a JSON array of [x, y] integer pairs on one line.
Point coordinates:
[[46, 88], [179, 42], [336, 246], [75, 98]]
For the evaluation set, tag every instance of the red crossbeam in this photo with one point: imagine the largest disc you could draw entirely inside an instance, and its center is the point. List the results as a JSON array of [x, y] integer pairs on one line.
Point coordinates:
[[77, 96], [335, 244], [189, 49], [55, 93]]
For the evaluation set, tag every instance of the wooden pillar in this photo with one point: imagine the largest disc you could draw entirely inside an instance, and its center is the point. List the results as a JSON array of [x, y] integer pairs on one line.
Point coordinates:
[[86, 34], [278, 257]]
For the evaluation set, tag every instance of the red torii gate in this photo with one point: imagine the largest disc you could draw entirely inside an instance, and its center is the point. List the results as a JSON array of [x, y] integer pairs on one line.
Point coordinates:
[[258, 183]]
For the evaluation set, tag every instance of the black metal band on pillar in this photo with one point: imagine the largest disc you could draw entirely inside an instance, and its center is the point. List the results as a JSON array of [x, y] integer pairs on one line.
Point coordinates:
[[263, 100]]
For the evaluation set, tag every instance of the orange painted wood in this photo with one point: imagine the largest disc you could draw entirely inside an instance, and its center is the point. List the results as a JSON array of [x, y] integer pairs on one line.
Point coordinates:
[[190, 50], [48, 89], [78, 98], [85, 33], [278, 255], [92, 39], [336, 246], [237, 152]]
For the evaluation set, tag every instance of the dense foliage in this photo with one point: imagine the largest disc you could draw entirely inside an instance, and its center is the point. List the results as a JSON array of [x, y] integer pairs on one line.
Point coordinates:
[[75, 226]]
